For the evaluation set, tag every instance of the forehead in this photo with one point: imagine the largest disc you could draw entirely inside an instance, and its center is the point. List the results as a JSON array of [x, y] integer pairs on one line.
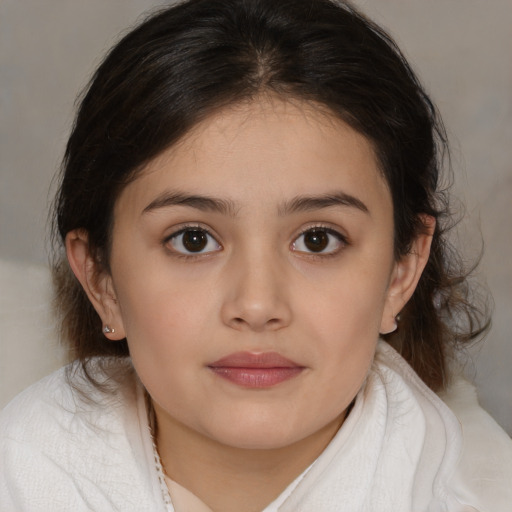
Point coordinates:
[[268, 149]]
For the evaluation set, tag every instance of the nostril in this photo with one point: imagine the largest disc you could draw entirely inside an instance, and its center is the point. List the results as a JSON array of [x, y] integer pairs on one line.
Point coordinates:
[[238, 323], [241, 323]]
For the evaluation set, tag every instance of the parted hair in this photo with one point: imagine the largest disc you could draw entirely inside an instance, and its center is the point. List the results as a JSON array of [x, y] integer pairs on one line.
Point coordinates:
[[184, 62]]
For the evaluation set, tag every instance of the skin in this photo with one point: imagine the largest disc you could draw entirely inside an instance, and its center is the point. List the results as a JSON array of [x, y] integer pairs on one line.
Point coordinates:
[[257, 287]]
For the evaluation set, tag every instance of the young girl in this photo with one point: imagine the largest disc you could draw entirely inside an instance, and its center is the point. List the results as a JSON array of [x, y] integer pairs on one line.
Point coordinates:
[[256, 285]]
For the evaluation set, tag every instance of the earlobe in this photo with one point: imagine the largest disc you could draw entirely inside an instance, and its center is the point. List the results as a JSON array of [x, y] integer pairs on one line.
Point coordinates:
[[96, 282], [406, 274]]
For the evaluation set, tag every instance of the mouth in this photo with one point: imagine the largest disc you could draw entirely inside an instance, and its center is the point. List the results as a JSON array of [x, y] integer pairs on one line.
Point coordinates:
[[256, 370]]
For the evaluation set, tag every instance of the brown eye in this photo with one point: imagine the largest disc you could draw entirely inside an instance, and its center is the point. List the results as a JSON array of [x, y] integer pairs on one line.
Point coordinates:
[[319, 241], [193, 241], [316, 241]]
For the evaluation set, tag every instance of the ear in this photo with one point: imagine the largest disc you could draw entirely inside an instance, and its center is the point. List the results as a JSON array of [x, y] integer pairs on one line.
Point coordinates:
[[96, 282], [406, 274]]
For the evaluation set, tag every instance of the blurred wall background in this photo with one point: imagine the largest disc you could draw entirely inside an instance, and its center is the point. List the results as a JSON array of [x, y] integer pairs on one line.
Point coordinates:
[[48, 49]]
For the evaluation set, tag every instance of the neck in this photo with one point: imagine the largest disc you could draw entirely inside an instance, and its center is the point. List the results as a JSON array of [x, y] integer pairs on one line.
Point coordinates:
[[231, 479]]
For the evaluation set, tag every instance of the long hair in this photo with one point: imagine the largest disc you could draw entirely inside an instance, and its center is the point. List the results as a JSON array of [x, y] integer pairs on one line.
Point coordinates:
[[185, 62]]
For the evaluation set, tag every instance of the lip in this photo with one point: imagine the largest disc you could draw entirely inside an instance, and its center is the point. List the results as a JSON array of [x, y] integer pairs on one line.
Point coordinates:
[[256, 370]]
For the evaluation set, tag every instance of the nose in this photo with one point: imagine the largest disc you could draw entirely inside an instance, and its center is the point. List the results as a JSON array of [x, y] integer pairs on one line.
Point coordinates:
[[256, 294]]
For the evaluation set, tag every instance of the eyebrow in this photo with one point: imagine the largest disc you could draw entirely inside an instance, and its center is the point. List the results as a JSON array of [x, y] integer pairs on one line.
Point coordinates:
[[199, 202], [227, 207], [309, 203]]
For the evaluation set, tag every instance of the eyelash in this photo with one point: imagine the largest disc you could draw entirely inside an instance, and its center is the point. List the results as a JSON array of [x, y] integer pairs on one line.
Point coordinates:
[[190, 255], [342, 239]]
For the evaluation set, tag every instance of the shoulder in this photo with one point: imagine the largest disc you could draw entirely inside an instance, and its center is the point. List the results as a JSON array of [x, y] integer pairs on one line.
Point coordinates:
[[37, 429], [42, 405], [67, 445], [61, 413], [484, 472], [479, 451], [64, 401]]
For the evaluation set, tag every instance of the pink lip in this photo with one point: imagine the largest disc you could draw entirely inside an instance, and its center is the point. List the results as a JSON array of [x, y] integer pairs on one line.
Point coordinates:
[[256, 370]]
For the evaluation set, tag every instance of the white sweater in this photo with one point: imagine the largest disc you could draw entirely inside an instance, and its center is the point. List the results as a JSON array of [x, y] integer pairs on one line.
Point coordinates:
[[401, 449]]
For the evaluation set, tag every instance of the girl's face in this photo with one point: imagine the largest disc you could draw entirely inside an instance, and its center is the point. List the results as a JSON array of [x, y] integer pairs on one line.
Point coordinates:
[[252, 270]]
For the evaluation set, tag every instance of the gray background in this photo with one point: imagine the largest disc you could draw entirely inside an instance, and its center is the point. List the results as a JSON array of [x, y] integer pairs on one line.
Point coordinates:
[[461, 49]]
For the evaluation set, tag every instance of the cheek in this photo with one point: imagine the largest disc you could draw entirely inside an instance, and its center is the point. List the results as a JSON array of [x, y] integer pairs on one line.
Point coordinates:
[[160, 310], [165, 334], [160, 314], [344, 316], [350, 301]]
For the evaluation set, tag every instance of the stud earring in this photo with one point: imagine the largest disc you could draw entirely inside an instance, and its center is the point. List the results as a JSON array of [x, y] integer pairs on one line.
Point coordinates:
[[396, 322], [396, 319], [108, 330]]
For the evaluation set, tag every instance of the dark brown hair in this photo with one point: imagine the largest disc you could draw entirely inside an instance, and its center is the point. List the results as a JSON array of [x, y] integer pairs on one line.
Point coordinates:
[[185, 62]]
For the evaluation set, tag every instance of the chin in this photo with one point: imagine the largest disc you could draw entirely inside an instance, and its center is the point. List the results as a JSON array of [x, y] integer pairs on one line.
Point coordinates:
[[258, 435]]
